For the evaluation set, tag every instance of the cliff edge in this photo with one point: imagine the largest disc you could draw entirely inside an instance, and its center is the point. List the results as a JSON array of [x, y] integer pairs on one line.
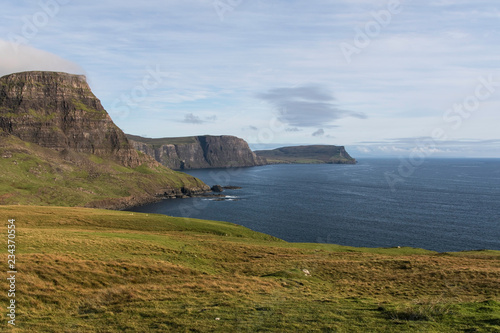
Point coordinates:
[[198, 152]]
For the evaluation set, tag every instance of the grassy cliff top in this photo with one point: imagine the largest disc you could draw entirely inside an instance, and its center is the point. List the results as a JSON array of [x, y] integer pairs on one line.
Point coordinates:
[[86, 270], [156, 142], [164, 141], [27, 74], [307, 154]]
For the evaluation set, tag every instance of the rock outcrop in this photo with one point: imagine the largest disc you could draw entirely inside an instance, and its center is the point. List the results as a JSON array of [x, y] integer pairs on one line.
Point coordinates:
[[60, 147], [307, 155], [198, 152], [59, 111], [217, 189]]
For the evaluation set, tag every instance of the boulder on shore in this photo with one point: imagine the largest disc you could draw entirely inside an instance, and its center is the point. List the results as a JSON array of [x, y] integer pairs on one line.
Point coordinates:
[[217, 188]]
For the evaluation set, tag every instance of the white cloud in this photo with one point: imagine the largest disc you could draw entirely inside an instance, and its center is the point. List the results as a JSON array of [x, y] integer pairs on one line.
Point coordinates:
[[19, 58], [428, 58]]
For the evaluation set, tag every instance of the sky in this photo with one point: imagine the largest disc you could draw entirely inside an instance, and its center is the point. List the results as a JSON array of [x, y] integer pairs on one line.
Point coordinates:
[[383, 78]]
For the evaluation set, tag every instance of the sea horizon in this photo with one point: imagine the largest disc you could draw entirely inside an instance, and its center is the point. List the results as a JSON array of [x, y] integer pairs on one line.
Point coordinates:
[[434, 208]]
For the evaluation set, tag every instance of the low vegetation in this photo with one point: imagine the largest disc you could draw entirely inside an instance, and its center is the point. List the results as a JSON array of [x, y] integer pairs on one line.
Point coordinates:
[[33, 175], [88, 270]]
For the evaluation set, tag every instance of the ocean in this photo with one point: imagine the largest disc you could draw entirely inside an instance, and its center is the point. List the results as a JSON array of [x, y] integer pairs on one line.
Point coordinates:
[[442, 205]]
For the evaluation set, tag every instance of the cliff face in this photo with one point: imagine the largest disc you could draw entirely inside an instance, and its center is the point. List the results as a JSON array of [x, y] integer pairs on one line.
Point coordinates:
[[308, 154], [60, 147], [198, 152], [59, 111]]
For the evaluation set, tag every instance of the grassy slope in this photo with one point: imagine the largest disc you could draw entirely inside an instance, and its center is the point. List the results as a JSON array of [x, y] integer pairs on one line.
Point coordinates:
[[83, 270], [39, 176]]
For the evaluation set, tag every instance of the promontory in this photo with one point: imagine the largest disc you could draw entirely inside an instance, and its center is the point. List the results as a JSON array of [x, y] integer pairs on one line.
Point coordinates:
[[58, 146]]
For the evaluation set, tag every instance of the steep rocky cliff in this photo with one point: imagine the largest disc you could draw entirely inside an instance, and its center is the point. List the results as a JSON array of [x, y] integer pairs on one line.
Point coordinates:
[[198, 152], [59, 111], [58, 146], [308, 155]]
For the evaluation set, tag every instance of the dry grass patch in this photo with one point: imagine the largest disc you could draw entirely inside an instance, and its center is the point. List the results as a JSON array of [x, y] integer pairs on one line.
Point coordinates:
[[87, 270]]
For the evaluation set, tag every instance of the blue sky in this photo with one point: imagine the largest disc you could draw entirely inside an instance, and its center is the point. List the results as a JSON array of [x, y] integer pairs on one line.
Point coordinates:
[[384, 78]]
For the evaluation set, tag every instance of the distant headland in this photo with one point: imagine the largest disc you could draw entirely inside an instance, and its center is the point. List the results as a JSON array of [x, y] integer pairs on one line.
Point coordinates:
[[207, 151], [313, 154]]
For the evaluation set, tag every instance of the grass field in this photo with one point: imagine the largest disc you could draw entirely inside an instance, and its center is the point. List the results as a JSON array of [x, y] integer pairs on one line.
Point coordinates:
[[85, 270]]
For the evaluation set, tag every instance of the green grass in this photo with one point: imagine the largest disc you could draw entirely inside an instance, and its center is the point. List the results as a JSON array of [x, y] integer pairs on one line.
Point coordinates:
[[90, 112], [87, 270], [33, 175]]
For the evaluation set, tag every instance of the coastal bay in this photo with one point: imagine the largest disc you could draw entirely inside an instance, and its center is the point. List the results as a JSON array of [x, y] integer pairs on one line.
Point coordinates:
[[446, 205]]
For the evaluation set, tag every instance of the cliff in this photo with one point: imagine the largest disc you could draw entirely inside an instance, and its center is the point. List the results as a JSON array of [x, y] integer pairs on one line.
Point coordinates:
[[59, 111], [308, 155], [58, 146], [198, 152]]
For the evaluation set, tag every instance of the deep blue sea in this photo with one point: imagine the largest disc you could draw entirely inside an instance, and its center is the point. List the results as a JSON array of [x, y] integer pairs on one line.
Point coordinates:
[[441, 205]]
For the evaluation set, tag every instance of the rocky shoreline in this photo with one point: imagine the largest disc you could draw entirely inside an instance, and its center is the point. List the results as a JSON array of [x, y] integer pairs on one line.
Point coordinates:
[[182, 193]]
